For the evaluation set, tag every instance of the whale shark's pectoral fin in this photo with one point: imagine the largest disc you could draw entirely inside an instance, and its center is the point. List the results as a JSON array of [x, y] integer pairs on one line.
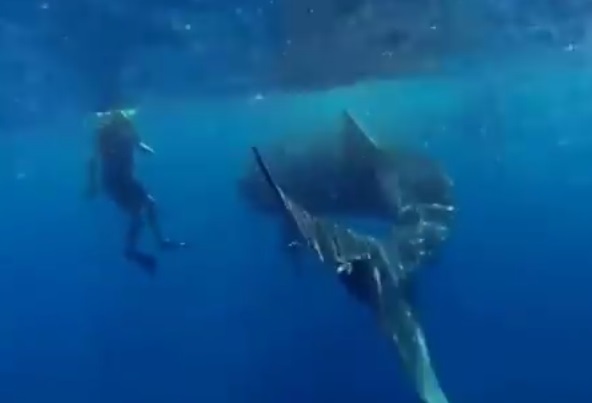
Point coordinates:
[[333, 244], [291, 234], [277, 192], [306, 229]]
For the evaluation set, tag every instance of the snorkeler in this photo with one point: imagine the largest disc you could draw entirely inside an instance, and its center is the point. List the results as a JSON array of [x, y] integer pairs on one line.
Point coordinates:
[[115, 142]]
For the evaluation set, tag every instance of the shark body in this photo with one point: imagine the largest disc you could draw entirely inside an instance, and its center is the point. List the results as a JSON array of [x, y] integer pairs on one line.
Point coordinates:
[[373, 271], [352, 175]]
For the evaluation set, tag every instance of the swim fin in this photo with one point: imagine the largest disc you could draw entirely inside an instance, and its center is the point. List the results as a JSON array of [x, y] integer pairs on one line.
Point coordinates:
[[146, 262]]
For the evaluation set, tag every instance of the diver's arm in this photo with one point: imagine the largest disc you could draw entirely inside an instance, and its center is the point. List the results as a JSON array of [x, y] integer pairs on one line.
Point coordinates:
[[145, 147]]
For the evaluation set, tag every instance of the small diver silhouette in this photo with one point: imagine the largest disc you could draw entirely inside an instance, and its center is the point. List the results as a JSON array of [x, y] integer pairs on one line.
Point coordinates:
[[111, 167]]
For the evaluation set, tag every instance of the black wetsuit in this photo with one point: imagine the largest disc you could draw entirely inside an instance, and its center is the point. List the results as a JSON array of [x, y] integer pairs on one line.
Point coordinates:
[[117, 145]]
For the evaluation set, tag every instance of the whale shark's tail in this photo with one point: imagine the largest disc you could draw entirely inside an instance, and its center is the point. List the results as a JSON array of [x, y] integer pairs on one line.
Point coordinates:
[[371, 271]]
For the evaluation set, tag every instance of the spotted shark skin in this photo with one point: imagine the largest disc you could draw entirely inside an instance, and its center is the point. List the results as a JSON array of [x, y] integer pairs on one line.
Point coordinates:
[[351, 175], [372, 271]]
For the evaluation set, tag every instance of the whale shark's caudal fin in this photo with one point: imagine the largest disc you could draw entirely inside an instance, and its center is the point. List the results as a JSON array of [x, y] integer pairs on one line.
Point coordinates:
[[372, 273]]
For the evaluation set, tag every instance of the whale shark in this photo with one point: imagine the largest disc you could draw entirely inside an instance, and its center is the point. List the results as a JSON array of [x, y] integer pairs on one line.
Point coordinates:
[[351, 175], [374, 272]]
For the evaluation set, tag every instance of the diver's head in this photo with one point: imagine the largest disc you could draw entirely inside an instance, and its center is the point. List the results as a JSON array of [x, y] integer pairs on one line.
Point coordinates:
[[119, 117], [116, 117]]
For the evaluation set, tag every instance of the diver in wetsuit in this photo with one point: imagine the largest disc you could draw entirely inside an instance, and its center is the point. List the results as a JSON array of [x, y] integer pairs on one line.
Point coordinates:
[[113, 152]]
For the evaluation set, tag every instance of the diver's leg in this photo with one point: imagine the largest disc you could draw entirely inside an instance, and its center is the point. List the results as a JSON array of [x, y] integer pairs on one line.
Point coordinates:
[[146, 261], [124, 194], [154, 222], [133, 233]]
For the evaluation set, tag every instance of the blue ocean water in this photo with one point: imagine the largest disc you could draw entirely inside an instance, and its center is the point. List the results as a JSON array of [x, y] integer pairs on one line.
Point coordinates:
[[506, 310]]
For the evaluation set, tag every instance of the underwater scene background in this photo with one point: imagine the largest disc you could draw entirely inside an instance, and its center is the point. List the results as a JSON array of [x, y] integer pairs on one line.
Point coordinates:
[[506, 309]]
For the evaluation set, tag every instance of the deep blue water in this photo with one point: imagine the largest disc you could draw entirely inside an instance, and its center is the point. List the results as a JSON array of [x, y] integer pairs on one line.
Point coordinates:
[[507, 310]]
